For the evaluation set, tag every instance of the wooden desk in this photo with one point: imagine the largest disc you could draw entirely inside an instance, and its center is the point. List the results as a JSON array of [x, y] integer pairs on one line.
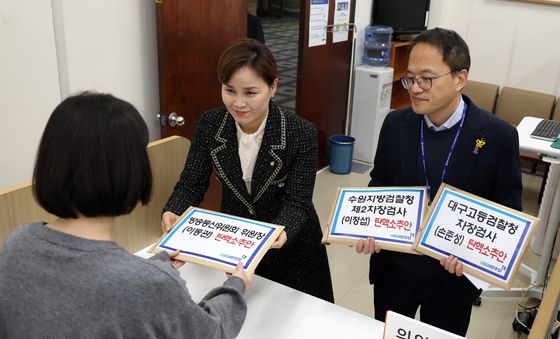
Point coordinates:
[[297, 315]]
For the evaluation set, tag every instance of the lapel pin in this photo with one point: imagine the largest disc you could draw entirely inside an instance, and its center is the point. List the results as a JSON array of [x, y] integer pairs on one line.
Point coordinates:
[[478, 145]]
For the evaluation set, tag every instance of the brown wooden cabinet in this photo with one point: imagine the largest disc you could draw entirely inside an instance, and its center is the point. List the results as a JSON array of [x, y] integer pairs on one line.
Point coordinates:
[[399, 62]]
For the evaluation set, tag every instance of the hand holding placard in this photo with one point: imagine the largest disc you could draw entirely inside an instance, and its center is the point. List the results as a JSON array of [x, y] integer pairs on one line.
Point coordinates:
[[367, 246], [390, 215], [240, 272], [219, 240], [168, 219], [452, 265], [280, 241], [489, 239]]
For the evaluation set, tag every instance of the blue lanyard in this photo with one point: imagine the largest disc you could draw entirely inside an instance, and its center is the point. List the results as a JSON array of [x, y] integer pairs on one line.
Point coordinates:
[[430, 197]]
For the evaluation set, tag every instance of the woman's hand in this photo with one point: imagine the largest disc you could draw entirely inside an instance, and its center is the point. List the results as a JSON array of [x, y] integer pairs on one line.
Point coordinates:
[[174, 262], [167, 220], [452, 265], [241, 273], [367, 246], [280, 241]]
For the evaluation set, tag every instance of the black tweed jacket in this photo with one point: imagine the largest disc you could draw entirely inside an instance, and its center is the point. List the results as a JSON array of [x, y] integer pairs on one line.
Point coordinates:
[[281, 191], [283, 178]]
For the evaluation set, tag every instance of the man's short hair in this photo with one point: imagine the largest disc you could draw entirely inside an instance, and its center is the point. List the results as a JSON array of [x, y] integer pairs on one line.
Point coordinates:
[[453, 48], [92, 158]]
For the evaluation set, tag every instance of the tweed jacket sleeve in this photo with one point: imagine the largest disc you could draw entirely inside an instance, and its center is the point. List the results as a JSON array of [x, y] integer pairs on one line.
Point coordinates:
[[296, 200]]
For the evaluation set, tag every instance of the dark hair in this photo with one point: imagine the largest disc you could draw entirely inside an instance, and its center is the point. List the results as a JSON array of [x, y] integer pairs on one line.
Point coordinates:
[[453, 48], [251, 53], [92, 158]]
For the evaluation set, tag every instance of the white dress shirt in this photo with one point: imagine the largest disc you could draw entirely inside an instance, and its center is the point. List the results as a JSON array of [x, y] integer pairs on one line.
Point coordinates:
[[453, 119]]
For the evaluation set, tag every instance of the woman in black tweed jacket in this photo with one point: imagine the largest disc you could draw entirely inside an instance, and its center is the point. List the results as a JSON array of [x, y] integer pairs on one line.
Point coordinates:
[[281, 187]]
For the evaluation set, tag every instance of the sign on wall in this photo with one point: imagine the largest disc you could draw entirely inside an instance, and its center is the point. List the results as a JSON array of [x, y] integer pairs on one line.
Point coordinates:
[[341, 20], [219, 240], [488, 238], [391, 215], [318, 19]]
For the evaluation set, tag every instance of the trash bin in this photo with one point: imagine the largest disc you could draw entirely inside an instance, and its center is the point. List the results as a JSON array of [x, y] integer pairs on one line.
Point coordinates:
[[342, 147]]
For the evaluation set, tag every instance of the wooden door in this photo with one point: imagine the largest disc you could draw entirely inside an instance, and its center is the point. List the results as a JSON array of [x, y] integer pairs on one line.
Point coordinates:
[[323, 80], [191, 36]]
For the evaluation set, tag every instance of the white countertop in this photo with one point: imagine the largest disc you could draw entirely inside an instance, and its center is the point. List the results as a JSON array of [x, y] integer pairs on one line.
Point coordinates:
[[277, 311]]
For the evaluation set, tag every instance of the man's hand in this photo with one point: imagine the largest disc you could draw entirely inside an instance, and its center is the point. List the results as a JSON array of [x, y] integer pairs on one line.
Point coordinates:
[[367, 246], [452, 265]]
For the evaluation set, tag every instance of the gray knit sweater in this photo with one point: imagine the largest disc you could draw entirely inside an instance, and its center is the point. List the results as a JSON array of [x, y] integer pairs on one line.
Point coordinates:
[[54, 285]]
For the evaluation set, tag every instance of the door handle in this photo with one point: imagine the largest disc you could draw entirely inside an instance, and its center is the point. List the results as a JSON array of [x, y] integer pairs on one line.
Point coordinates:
[[176, 120]]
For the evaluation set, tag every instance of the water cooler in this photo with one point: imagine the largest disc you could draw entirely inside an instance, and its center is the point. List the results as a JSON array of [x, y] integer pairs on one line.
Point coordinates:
[[370, 104]]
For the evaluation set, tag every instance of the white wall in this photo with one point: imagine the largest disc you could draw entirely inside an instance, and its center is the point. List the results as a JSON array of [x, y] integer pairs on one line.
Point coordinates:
[[512, 43], [109, 46], [28, 84]]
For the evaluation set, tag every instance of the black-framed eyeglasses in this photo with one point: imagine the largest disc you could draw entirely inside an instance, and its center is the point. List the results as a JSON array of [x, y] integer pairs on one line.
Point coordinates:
[[424, 83]]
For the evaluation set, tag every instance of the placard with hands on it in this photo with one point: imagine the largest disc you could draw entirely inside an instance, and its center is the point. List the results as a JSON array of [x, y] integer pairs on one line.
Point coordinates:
[[218, 240], [391, 215], [489, 239]]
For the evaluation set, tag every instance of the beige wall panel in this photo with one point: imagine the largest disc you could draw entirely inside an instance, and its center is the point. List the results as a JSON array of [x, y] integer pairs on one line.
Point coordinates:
[[17, 206], [134, 231], [6, 217], [26, 209]]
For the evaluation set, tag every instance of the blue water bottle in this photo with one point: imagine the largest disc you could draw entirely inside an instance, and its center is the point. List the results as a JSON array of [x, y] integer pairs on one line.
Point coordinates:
[[377, 45]]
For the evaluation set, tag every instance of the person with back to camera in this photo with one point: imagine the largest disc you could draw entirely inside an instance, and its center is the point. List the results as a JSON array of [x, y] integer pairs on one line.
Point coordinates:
[[265, 158], [68, 279], [414, 145]]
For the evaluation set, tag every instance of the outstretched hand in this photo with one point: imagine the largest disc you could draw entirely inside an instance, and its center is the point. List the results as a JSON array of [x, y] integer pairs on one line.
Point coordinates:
[[168, 219], [241, 273], [280, 241], [174, 262]]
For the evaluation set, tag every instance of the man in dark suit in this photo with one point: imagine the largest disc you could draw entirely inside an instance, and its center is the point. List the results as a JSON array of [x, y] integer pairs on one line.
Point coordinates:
[[442, 137]]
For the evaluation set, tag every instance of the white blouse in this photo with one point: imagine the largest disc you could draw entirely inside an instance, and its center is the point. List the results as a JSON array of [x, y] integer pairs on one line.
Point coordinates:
[[249, 145]]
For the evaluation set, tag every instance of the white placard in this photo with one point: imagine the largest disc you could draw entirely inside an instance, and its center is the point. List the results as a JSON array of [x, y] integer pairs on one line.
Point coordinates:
[[397, 326], [341, 20], [391, 215], [318, 19], [219, 240], [489, 239]]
